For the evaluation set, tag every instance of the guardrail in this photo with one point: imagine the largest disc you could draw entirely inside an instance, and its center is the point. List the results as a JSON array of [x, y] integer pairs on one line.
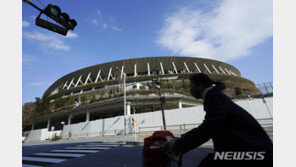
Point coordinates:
[[266, 123], [115, 132]]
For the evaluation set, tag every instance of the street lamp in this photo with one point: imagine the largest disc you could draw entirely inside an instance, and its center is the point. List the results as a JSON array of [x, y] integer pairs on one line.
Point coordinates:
[[124, 98]]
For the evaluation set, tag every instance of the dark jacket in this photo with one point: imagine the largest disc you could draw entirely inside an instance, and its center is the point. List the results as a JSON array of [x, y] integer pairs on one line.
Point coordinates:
[[229, 126]]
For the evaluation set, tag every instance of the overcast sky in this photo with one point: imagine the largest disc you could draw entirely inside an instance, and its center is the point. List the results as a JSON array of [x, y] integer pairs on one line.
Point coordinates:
[[238, 32]]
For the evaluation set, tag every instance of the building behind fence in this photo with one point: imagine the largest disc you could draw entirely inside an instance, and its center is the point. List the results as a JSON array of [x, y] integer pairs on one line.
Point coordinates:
[[178, 120]]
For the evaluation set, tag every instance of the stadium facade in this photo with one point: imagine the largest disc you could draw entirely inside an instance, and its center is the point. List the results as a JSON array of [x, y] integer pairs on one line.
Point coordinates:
[[104, 82]]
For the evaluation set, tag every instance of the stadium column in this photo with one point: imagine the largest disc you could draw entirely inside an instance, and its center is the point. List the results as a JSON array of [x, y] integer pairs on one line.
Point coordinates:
[[69, 119], [180, 104], [128, 108], [207, 68], [87, 116], [197, 68], [135, 72], [48, 124], [33, 125], [176, 71], [148, 67], [161, 67]]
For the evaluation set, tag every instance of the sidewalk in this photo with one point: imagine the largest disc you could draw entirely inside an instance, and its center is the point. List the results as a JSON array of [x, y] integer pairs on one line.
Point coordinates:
[[128, 139]]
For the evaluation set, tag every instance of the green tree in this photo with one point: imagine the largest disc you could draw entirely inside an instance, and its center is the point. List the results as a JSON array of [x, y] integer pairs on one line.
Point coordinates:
[[83, 99], [162, 84], [42, 106], [28, 110], [185, 85], [238, 90], [142, 87], [59, 102], [71, 100], [93, 97], [134, 86]]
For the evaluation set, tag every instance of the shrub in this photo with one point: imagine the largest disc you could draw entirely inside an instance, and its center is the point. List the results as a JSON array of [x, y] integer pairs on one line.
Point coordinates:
[[142, 87], [71, 100], [144, 92], [152, 91], [60, 102], [83, 99], [55, 137], [134, 86], [116, 95], [185, 84], [177, 85], [93, 97], [238, 90]]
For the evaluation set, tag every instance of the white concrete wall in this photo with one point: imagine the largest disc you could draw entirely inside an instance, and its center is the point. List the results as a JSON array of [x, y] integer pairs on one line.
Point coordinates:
[[109, 126], [41, 134], [36, 135], [257, 108], [115, 125], [192, 115]]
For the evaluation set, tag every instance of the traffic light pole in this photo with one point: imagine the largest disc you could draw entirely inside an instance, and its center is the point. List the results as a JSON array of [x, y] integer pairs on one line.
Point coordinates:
[[30, 3], [124, 101], [162, 109]]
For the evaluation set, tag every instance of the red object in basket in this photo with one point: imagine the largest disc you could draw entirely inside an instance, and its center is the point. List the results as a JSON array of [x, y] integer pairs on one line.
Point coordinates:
[[153, 153]]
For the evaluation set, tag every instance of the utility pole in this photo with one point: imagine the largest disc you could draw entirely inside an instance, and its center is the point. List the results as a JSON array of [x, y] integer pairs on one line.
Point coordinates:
[[124, 101], [124, 98], [162, 101]]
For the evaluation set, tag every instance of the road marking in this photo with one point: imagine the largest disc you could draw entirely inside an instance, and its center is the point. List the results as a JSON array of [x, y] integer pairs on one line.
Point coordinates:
[[25, 165], [52, 160], [88, 148], [105, 143], [98, 145], [60, 154], [57, 156], [79, 151]]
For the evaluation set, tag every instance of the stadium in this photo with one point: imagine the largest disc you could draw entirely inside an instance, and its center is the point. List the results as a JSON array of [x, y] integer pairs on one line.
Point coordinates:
[[141, 70], [96, 92]]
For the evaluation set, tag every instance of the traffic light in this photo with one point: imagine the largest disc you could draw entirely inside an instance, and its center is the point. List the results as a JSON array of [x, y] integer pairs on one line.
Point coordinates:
[[55, 13], [50, 26], [133, 122]]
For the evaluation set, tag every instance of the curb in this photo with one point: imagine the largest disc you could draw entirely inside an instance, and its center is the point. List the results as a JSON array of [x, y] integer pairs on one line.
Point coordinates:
[[135, 143]]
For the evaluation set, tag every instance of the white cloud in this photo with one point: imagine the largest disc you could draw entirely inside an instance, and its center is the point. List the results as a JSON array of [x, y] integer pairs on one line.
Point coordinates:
[[47, 40], [27, 58], [104, 25], [116, 28], [95, 22], [25, 24], [71, 35], [99, 13], [36, 83], [225, 33]]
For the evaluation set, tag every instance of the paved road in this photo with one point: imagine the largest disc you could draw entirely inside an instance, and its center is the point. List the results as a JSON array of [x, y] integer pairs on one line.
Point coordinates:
[[95, 154]]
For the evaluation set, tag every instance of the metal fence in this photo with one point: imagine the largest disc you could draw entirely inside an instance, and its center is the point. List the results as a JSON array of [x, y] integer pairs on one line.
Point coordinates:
[[265, 88], [266, 123]]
